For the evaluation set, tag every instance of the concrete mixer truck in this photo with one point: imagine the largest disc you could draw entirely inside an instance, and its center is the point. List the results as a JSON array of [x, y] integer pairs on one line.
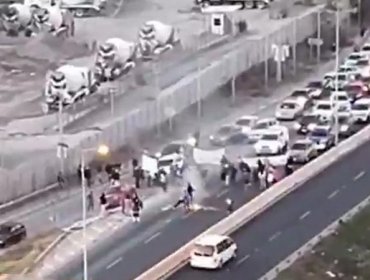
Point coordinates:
[[18, 18], [67, 85], [115, 57], [55, 20], [155, 38]]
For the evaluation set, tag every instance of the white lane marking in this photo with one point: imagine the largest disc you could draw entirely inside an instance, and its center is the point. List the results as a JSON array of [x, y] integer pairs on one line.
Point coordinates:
[[222, 193], [334, 193], [168, 221], [359, 175], [115, 262], [274, 236], [304, 215], [166, 208], [154, 236], [243, 259]]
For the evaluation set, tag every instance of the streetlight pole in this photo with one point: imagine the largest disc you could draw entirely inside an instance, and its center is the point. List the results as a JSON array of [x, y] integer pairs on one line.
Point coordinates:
[[84, 214], [61, 133], [337, 29], [102, 150]]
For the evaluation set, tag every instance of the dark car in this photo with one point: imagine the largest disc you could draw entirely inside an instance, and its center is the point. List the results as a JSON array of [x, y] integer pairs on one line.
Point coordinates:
[[11, 233], [346, 126], [222, 135], [306, 124], [322, 137]]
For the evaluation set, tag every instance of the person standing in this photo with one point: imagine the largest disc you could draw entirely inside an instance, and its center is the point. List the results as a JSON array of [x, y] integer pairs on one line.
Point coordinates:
[[137, 205], [60, 180], [138, 174], [90, 201], [190, 190], [103, 204]]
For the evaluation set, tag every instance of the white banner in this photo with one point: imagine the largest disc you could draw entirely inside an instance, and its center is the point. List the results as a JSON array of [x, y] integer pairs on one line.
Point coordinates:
[[149, 164], [208, 157], [280, 160]]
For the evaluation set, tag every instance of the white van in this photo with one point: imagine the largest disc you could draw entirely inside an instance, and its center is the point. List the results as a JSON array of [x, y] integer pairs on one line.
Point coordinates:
[[212, 252]]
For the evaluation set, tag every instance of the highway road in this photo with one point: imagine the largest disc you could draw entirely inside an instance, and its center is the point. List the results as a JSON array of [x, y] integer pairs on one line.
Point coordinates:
[[141, 247], [274, 235]]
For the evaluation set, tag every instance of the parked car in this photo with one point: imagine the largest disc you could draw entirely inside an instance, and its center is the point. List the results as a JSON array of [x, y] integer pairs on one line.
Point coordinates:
[[346, 126], [261, 126], [222, 135], [306, 123], [303, 93], [212, 252], [291, 108], [322, 137], [302, 151], [334, 80], [273, 142], [11, 233], [361, 110], [246, 123]]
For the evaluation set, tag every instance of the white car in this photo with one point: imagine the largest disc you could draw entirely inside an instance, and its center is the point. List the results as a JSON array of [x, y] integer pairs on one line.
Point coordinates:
[[361, 110], [331, 79], [261, 126], [212, 252], [315, 89], [364, 68], [273, 142], [246, 123], [324, 109], [340, 98], [366, 49], [291, 108], [354, 57]]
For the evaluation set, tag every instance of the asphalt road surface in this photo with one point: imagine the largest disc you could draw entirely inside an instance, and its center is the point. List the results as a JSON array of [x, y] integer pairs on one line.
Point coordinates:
[[277, 233]]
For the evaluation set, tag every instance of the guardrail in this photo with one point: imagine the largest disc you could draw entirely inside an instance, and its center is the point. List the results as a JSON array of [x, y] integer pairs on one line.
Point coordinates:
[[258, 205]]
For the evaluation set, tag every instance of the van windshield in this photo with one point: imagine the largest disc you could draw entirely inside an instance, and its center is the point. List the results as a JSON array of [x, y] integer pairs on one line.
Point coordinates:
[[204, 251]]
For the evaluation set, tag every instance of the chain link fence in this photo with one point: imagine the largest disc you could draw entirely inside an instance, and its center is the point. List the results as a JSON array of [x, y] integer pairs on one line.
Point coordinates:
[[209, 75]]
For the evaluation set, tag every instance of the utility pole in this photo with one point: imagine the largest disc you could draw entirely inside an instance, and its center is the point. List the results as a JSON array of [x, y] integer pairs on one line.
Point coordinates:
[[60, 148], [295, 47], [233, 78], [337, 29], [157, 92]]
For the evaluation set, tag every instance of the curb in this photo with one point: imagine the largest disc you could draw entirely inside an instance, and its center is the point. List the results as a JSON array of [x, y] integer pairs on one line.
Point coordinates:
[[43, 254]]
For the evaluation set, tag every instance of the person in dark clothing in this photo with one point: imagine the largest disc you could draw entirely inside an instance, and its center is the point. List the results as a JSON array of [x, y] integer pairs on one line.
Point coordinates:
[[60, 180], [289, 167], [88, 176], [90, 201], [245, 170], [190, 189], [79, 172], [138, 175], [137, 205], [260, 166], [134, 164], [103, 203]]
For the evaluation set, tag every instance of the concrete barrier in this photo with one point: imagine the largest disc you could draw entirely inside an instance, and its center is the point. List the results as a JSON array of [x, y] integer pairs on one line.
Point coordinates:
[[258, 205], [227, 61]]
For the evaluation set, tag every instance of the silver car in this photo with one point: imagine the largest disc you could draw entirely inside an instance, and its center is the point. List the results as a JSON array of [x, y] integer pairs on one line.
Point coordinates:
[[303, 151], [223, 134]]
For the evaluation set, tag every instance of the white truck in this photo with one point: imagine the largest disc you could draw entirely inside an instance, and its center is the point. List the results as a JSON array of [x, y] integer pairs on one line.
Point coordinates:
[[115, 57], [53, 19], [67, 85], [18, 18], [155, 38]]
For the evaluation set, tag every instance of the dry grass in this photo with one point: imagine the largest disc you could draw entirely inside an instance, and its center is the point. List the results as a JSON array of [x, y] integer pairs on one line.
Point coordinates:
[[21, 256], [345, 254]]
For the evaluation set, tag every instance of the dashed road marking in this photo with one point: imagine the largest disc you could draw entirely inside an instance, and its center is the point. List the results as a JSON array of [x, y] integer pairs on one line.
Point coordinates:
[[154, 236], [304, 215], [168, 221], [243, 259], [222, 193], [274, 236], [333, 194], [166, 208], [359, 175], [115, 262]]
